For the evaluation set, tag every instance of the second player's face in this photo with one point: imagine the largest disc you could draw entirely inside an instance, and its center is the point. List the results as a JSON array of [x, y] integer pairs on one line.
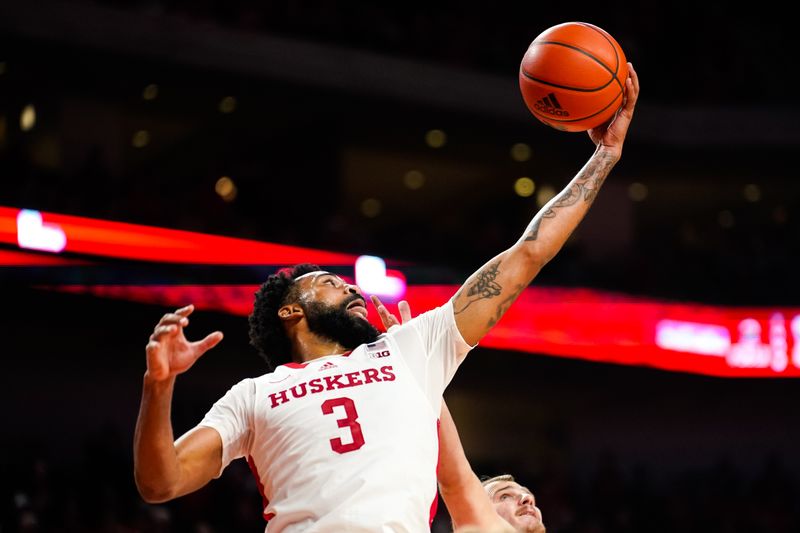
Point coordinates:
[[517, 506]]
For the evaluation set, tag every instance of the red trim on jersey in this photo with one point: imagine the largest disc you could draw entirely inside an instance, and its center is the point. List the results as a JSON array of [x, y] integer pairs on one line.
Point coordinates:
[[435, 502], [303, 365], [253, 469]]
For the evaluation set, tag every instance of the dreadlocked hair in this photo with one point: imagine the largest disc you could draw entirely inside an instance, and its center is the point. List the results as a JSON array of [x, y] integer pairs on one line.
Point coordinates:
[[266, 329]]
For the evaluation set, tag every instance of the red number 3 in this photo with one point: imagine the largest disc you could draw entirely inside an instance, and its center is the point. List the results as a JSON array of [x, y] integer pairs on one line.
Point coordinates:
[[350, 421]]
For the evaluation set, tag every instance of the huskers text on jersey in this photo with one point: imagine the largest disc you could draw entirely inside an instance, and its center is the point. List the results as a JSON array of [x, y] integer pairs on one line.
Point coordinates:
[[336, 381]]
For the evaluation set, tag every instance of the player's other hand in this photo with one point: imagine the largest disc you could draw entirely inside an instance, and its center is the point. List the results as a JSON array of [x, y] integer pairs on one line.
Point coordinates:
[[169, 353], [387, 318], [610, 136]]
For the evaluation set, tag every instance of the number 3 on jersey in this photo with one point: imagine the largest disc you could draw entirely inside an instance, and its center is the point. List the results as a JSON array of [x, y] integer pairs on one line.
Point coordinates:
[[349, 421]]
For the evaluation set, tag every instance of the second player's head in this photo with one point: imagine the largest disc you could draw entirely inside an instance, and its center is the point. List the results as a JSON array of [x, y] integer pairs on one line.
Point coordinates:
[[305, 299], [514, 503]]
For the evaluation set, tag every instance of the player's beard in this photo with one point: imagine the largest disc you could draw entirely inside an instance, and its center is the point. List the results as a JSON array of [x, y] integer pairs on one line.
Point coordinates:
[[337, 324]]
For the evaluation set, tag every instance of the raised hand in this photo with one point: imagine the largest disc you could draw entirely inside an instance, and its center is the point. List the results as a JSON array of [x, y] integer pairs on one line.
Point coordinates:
[[387, 318], [611, 135], [169, 353]]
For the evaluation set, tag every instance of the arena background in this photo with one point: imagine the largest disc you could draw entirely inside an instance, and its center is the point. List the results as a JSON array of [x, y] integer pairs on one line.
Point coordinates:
[[316, 111]]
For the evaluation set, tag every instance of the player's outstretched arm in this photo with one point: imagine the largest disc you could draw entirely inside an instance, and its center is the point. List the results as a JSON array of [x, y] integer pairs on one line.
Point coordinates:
[[464, 496], [164, 469], [489, 292]]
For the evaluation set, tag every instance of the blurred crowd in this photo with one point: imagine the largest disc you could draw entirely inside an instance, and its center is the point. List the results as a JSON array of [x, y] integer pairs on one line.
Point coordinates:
[[692, 53], [694, 258]]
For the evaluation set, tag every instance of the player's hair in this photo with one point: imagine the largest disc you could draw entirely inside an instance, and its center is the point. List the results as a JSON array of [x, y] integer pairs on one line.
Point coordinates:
[[266, 329], [486, 480]]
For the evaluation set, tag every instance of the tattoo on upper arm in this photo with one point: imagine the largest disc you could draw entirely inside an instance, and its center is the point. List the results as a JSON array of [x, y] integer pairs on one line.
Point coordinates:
[[484, 287], [504, 305], [587, 184]]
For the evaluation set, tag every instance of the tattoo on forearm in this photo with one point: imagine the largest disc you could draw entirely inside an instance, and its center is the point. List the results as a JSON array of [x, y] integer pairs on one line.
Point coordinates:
[[504, 305], [483, 288], [586, 185], [533, 231]]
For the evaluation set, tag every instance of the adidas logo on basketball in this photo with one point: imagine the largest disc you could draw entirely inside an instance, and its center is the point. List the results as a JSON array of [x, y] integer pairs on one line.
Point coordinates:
[[549, 104]]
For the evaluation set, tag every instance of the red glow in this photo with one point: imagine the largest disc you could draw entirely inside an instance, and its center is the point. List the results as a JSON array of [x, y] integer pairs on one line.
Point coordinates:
[[14, 258], [576, 323], [148, 243]]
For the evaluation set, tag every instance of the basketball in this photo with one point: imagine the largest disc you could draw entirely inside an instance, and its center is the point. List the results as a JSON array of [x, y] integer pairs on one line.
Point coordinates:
[[572, 76]]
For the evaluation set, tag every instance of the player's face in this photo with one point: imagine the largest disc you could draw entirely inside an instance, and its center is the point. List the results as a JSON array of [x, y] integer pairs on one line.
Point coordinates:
[[336, 310], [331, 290], [517, 505]]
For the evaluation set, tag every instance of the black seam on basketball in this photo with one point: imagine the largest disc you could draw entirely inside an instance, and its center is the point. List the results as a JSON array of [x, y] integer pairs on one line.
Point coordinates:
[[604, 36], [557, 86], [584, 52], [621, 86], [616, 55], [550, 118]]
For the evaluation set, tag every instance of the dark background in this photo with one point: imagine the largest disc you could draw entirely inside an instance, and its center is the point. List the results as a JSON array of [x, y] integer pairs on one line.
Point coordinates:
[[333, 102]]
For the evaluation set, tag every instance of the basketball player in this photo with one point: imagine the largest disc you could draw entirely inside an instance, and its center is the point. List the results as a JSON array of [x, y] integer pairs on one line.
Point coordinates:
[[514, 503], [342, 434], [495, 505]]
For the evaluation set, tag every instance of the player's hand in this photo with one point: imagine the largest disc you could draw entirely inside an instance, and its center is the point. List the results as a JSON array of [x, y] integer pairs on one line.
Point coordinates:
[[387, 318], [169, 353], [610, 136]]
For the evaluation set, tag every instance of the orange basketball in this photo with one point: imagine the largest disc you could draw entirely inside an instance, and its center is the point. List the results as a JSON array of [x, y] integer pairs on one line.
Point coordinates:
[[573, 76]]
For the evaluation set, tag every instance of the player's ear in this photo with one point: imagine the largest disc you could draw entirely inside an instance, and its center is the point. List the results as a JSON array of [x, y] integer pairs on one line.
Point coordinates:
[[290, 312]]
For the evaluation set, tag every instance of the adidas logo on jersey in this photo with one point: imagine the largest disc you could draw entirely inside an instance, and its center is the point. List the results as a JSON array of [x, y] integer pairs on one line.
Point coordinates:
[[549, 104], [327, 366]]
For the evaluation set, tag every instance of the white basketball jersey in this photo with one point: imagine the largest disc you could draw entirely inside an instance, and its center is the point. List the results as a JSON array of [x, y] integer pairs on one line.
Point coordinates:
[[348, 443]]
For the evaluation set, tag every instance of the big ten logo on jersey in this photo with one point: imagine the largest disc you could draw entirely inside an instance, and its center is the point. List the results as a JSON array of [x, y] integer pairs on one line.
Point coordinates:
[[379, 349]]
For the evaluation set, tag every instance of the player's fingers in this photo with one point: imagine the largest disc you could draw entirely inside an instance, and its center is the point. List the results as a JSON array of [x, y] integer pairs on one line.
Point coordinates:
[[379, 306], [632, 86], [405, 311], [186, 310], [162, 331], [211, 340], [152, 347], [634, 76], [631, 95], [387, 318], [624, 114], [157, 366], [173, 318]]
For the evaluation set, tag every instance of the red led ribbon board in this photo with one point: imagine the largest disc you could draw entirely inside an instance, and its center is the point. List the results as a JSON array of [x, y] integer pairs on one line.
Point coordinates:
[[575, 323], [121, 240]]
